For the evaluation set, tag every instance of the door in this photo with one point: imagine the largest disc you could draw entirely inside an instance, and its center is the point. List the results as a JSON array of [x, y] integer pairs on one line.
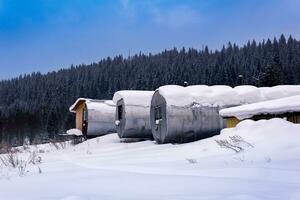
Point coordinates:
[[85, 121]]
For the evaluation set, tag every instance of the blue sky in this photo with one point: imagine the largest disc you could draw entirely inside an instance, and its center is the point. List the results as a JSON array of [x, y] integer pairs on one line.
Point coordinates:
[[45, 35]]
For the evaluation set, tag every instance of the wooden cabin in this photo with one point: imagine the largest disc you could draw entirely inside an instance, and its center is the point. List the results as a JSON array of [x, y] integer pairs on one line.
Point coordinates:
[[286, 108], [94, 117], [79, 108]]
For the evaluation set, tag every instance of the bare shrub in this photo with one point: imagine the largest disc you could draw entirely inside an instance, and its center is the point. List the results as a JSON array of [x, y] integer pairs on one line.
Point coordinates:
[[88, 152], [13, 160], [42, 151], [238, 139], [10, 160], [40, 171], [191, 161], [5, 148], [77, 140], [22, 168], [235, 143], [228, 145], [63, 144], [55, 144], [268, 159], [34, 158], [58, 145]]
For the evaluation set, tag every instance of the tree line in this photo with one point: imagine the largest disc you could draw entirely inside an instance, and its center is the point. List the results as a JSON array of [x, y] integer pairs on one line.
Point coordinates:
[[42, 100]]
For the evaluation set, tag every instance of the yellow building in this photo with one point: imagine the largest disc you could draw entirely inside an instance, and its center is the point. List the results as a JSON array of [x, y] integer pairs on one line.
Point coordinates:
[[286, 108]]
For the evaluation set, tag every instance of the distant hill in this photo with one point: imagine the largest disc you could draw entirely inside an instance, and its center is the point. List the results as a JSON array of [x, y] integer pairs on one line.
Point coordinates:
[[36, 105]]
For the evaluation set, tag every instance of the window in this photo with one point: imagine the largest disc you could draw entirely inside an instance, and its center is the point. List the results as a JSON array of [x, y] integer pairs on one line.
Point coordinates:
[[157, 113], [85, 114], [120, 112]]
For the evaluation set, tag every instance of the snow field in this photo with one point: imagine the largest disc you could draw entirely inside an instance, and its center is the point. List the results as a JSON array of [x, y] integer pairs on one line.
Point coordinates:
[[104, 168]]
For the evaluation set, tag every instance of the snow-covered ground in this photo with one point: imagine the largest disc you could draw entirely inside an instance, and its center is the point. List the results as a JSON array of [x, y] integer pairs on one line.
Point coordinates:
[[268, 167]]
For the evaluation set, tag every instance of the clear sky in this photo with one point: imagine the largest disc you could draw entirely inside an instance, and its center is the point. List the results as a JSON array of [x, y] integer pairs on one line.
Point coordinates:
[[45, 35]]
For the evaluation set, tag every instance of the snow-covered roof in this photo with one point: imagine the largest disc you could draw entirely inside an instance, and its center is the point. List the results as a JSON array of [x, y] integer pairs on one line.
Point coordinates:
[[75, 104], [134, 97], [249, 94], [280, 91], [277, 106], [220, 95], [91, 103]]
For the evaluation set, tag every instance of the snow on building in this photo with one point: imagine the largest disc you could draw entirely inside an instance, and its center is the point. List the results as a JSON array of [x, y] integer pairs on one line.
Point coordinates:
[[287, 108], [181, 114], [94, 117], [132, 116]]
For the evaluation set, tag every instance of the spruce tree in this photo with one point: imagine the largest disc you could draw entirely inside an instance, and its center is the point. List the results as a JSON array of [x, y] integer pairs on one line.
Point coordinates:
[[272, 74]]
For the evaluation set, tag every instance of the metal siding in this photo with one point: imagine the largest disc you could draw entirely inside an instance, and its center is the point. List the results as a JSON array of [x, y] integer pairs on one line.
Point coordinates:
[[184, 124], [100, 122], [135, 122]]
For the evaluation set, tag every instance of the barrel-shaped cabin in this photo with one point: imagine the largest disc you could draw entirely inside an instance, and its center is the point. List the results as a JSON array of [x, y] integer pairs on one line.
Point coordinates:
[[182, 114], [94, 117], [286, 108], [132, 116]]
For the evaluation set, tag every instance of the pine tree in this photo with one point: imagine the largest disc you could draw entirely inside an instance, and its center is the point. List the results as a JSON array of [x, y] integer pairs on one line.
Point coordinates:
[[272, 74]]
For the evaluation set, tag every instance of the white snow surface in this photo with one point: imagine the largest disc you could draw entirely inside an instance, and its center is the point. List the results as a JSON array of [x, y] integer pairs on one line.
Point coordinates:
[[221, 95], [71, 109], [74, 131], [280, 91], [93, 104], [277, 106], [104, 168], [134, 97], [199, 94], [102, 106]]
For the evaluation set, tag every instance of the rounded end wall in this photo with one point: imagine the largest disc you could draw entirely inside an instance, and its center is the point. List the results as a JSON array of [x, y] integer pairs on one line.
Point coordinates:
[[100, 119], [120, 120], [158, 118]]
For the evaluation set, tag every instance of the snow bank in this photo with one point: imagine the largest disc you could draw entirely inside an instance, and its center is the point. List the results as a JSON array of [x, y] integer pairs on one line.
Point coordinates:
[[269, 137], [134, 97], [197, 170], [277, 106], [74, 131]]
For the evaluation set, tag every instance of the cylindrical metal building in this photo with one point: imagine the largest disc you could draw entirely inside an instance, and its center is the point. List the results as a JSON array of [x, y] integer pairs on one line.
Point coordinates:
[[187, 114], [132, 116]]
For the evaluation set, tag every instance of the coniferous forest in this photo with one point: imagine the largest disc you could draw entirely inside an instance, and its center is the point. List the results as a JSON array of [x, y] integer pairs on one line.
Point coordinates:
[[36, 105]]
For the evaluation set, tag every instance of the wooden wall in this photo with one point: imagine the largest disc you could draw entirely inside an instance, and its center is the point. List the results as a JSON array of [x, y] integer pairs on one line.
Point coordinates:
[[291, 117], [231, 122], [79, 116]]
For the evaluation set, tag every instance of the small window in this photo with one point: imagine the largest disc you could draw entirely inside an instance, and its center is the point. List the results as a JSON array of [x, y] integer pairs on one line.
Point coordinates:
[[85, 114], [120, 112], [157, 113]]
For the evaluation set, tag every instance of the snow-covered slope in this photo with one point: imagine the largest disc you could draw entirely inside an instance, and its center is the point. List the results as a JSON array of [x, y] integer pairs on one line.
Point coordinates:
[[268, 167]]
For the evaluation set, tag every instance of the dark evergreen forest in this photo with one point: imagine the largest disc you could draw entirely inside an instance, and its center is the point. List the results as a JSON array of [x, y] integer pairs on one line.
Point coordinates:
[[36, 105]]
